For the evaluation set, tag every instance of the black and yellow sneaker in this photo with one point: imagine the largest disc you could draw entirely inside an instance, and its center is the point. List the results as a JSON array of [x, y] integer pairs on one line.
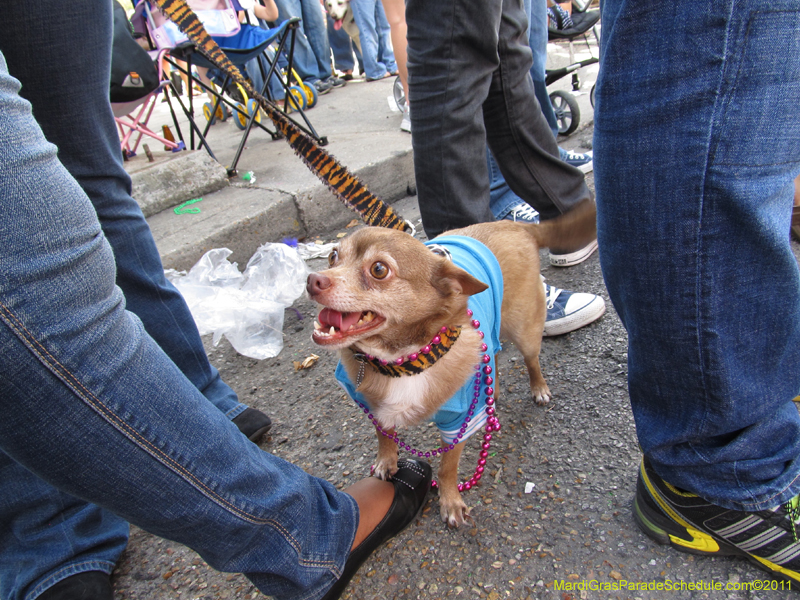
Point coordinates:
[[770, 539]]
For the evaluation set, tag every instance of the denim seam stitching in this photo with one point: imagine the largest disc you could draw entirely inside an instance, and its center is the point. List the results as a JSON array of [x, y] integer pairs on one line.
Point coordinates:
[[89, 398]]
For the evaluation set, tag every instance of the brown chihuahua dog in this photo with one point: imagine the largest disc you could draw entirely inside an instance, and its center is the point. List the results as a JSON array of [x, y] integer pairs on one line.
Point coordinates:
[[386, 296]]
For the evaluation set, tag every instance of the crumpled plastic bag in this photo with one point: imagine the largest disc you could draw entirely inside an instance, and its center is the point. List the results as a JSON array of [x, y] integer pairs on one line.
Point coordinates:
[[247, 308]]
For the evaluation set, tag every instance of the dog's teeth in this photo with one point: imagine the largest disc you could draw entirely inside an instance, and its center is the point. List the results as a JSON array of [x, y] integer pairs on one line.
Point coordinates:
[[332, 331], [368, 316], [317, 326]]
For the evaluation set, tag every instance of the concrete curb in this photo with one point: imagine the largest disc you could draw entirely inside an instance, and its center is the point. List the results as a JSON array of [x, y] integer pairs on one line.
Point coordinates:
[[242, 217], [184, 176]]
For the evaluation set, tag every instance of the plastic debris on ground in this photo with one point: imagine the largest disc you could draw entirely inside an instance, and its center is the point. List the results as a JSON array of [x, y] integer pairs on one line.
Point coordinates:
[[247, 308], [312, 250]]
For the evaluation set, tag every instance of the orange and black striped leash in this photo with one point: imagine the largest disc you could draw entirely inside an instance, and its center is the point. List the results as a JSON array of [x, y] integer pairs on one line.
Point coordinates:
[[346, 186]]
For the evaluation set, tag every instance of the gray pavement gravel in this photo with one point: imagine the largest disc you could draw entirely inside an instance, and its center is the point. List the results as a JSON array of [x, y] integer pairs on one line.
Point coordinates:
[[580, 453]]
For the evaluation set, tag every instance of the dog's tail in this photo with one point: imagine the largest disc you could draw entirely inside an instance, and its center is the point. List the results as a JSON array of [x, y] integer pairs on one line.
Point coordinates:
[[573, 229]]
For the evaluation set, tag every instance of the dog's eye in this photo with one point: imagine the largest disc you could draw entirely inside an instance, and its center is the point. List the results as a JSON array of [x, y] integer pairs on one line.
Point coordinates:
[[379, 270], [333, 257]]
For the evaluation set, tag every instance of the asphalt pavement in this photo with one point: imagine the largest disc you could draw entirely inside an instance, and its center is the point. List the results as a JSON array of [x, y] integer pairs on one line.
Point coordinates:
[[552, 515]]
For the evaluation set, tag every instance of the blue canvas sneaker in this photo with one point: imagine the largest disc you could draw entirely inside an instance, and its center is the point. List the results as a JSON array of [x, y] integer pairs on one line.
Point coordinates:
[[582, 162], [568, 311], [522, 212]]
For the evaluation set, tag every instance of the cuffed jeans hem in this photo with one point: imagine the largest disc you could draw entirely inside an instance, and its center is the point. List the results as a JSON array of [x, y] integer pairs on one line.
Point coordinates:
[[236, 411], [68, 570]]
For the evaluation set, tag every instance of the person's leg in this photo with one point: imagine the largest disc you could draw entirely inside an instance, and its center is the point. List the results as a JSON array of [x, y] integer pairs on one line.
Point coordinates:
[[317, 33], [537, 39], [456, 81], [364, 15], [695, 253], [385, 52], [47, 536], [395, 11], [70, 100], [305, 62], [94, 407]]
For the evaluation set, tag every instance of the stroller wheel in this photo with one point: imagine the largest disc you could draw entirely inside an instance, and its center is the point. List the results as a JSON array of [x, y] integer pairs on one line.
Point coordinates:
[[568, 114], [253, 107], [240, 116], [399, 94], [297, 98], [223, 112], [311, 94], [207, 108]]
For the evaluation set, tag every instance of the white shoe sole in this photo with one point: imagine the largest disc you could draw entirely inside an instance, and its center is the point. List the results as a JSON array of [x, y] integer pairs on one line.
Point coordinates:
[[574, 258], [588, 314]]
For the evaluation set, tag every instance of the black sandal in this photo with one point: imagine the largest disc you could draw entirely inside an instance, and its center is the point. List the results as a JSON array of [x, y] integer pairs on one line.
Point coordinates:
[[411, 485]]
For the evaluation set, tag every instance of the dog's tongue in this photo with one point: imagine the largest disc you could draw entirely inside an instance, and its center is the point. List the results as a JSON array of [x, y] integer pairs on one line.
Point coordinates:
[[341, 321], [337, 25]]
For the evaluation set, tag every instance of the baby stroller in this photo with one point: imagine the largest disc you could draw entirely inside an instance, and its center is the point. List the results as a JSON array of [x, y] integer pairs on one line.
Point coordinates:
[[565, 27]]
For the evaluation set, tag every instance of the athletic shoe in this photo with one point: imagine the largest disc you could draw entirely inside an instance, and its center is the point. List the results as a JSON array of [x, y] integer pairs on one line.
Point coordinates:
[[568, 311], [568, 259], [405, 124], [582, 162], [522, 212], [323, 87], [770, 539], [335, 82]]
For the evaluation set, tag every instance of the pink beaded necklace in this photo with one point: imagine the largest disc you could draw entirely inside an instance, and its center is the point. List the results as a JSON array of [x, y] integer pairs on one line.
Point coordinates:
[[483, 376]]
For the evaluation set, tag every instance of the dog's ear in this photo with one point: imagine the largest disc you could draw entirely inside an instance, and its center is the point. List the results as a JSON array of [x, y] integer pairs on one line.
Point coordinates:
[[450, 279]]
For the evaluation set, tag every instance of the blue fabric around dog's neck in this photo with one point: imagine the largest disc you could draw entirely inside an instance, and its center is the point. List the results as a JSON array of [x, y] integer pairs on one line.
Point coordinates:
[[475, 258]]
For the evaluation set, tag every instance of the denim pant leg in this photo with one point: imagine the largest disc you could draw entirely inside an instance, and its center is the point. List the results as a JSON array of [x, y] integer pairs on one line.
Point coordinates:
[[364, 15], [305, 62], [537, 40], [70, 98], [47, 535], [695, 244], [94, 407], [316, 31], [469, 82]]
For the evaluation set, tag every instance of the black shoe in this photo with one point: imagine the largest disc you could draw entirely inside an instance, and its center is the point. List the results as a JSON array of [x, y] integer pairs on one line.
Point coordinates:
[[253, 423], [411, 485], [770, 539], [88, 585]]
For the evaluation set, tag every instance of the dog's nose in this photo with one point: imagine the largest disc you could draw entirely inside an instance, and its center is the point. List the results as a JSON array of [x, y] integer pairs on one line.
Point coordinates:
[[317, 283]]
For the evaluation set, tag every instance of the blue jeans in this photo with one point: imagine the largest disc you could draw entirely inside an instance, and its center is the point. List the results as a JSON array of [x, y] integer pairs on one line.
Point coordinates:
[[312, 52], [694, 210], [100, 426], [469, 82], [376, 45]]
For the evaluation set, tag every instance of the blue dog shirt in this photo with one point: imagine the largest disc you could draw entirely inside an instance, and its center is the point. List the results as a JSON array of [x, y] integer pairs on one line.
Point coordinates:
[[476, 259]]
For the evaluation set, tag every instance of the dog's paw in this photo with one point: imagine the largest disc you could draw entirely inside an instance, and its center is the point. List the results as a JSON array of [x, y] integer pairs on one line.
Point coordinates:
[[384, 468], [541, 395], [453, 510]]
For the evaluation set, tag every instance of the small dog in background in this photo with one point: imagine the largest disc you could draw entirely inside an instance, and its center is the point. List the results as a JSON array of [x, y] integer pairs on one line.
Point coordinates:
[[396, 309], [342, 16]]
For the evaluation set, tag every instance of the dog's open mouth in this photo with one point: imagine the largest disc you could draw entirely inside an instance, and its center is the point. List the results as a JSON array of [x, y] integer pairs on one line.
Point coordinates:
[[333, 327]]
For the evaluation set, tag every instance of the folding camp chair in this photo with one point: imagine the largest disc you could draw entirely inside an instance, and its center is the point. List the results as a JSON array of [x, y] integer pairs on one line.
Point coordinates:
[[133, 127], [246, 113]]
